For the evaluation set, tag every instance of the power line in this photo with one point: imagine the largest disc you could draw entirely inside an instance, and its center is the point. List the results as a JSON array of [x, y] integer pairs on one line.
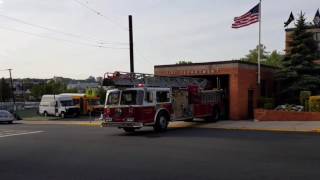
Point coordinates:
[[61, 32], [143, 57], [59, 39], [100, 14]]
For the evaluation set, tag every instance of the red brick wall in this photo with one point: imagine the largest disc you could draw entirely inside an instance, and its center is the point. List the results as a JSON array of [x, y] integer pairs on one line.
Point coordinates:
[[271, 115]]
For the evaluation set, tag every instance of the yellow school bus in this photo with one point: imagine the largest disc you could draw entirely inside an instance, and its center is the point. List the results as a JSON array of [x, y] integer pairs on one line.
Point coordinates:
[[89, 105]]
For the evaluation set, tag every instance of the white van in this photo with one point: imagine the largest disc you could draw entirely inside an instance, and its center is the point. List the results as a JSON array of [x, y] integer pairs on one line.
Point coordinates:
[[56, 105]]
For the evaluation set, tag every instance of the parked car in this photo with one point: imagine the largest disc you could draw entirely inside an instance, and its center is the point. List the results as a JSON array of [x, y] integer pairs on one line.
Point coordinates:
[[6, 116]]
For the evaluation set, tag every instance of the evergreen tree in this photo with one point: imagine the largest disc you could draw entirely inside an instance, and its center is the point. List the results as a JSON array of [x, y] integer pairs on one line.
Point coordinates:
[[299, 72]]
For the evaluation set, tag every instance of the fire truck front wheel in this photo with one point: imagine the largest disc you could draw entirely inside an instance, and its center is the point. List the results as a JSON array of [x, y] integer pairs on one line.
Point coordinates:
[[161, 122]]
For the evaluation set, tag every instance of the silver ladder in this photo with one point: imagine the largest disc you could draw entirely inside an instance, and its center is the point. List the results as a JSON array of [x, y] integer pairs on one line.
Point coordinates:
[[127, 79]]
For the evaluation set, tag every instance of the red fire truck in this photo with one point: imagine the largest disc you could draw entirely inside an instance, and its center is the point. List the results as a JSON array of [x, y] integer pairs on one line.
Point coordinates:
[[135, 100]]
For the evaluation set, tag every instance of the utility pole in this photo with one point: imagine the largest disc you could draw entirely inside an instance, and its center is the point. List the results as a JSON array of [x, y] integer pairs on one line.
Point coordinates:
[[131, 45], [12, 91]]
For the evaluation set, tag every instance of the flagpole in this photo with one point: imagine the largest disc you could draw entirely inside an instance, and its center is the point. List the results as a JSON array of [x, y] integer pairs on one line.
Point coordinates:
[[259, 47]]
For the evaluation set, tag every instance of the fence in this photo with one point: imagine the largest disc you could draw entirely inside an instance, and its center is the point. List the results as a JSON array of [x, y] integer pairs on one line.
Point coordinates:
[[19, 105]]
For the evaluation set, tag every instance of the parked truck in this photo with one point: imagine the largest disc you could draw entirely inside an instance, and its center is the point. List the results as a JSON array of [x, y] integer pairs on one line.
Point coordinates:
[[137, 100], [57, 105]]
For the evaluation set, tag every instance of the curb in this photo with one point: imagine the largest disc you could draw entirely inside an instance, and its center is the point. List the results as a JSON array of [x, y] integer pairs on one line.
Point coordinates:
[[317, 131]]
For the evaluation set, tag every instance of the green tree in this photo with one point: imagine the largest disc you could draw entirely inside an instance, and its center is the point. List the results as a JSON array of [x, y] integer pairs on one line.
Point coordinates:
[[51, 87], [37, 91], [299, 72], [184, 62], [71, 90], [100, 92], [253, 54], [273, 59], [5, 91]]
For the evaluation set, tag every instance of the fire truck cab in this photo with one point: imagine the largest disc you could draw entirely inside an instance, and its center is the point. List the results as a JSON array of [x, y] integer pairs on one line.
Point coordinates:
[[134, 108]]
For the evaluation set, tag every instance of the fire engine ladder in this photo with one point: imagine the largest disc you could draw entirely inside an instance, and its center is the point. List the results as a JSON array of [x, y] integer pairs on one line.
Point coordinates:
[[126, 79]]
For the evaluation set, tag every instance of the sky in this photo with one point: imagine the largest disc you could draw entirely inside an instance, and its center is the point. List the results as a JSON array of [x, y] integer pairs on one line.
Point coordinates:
[[165, 31]]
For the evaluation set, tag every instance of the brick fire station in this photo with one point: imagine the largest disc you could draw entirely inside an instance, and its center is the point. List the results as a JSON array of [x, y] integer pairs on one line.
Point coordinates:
[[237, 78]]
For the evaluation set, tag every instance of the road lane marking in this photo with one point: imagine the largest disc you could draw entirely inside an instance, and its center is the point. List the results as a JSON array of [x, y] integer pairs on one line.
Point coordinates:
[[22, 133]]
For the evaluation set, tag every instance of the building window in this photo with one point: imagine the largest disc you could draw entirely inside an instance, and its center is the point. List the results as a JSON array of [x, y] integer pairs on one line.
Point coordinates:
[[163, 96]]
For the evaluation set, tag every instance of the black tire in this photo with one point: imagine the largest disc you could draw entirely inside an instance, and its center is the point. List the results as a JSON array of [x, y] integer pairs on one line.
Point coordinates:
[[162, 122], [45, 114], [129, 129], [189, 120], [62, 115], [10, 122], [215, 115]]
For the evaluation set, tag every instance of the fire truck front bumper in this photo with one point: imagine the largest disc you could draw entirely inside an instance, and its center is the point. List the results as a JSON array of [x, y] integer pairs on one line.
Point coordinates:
[[122, 124]]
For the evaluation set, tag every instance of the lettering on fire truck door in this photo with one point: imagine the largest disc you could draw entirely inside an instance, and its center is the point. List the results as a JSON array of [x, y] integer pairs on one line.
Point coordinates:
[[148, 113]]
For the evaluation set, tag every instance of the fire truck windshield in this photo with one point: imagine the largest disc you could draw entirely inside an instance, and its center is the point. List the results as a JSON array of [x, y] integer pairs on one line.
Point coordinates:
[[113, 98], [132, 97]]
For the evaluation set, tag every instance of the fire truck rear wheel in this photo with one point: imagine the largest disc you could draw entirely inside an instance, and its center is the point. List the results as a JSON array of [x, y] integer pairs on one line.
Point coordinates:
[[128, 130], [215, 115], [161, 122]]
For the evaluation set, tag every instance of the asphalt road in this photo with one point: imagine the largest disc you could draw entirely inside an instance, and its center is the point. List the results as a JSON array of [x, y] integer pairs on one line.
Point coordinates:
[[77, 152]]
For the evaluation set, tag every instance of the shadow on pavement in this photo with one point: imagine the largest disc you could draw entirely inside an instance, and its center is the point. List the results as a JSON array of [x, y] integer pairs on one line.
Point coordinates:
[[193, 131]]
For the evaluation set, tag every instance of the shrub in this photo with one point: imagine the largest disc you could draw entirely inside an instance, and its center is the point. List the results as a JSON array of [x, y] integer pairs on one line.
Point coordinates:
[[314, 103], [304, 98], [266, 103], [268, 106]]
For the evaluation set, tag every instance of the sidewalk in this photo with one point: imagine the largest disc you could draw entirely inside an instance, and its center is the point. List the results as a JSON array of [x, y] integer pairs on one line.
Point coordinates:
[[275, 126]]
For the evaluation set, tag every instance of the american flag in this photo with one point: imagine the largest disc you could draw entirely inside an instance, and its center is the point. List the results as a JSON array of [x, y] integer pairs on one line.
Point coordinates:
[[248, 18]]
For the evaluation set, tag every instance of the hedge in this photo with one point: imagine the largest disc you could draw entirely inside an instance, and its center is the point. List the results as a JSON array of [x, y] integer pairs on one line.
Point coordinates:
[[314, 103]]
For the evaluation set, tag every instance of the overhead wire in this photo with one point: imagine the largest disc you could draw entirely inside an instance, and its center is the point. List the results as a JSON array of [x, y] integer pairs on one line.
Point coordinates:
[[90, 39], [60, 39], [112, 21], [101, 15], [143, 57]]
